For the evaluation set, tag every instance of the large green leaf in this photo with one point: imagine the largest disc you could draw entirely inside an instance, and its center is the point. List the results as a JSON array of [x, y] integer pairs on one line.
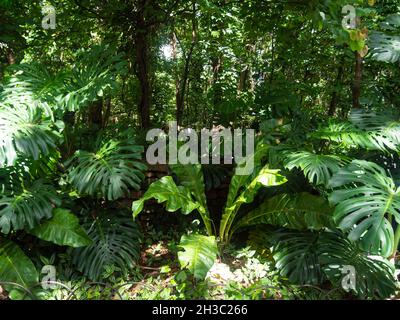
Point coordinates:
[[93, 76], [364, 198], [296, 257], [265, 178], [24, 130], [16, 267], [374, 275], [385, 47], [115, 242], [349, 135], [109, 172], [317, 168], [63, 229], [199, 254], [27, 207], [191, 177], [313, 257], [33, 84], [239, 181], [165, 190], [300, 211]]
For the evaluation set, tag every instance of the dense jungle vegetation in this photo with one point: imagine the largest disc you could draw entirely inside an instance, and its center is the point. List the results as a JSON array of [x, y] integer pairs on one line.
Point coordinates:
[[85, 215]]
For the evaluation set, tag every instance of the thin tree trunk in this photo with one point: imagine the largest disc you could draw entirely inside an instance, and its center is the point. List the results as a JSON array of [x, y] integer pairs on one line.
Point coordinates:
[[10, 57], [182, 84], [107, 113], [357, 81], [96, 115], [334, 99], [217, 69], [242, 79], [143, 65]]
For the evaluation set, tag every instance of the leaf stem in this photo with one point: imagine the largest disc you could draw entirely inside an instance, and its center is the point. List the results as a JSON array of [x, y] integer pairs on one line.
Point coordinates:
[[396, 241]]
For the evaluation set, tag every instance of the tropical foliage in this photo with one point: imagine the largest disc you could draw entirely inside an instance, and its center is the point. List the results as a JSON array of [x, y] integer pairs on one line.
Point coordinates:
[[318, 216]]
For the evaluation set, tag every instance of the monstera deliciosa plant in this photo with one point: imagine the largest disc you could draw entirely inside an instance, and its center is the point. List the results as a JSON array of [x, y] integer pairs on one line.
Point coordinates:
[[35, 185]]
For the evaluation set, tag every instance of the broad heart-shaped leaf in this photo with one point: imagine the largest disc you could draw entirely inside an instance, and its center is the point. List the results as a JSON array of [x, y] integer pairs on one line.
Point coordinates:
[[349, 135], [26, 209], [373, 275], [110, 172], [62, 229], [16, 267], [317, 168], [94, 73], [296, 257], [300, 212], [313, 257], [385, 47], [266, 177], [116, 242], [23, 130], [191, 177], [367, 196], [165, 190], [199, 255]]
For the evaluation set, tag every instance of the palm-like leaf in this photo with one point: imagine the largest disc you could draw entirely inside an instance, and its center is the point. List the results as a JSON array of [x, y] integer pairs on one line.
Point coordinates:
[[116, 242], [365, 198], [110, 172], [317, 168], [24, 131], [93, 75], [27, 207], [33, 84], [374, 276], [385, 47], [350, 136], [310, 258], [369, 120], [296, 257]]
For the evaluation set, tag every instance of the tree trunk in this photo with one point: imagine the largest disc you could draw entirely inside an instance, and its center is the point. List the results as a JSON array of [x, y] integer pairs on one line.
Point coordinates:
[[107, 113], [96, 116], [183, 82], [357, 81], [10, 57], [334, 99], [143, 65], [217, 69], [242, 79]]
